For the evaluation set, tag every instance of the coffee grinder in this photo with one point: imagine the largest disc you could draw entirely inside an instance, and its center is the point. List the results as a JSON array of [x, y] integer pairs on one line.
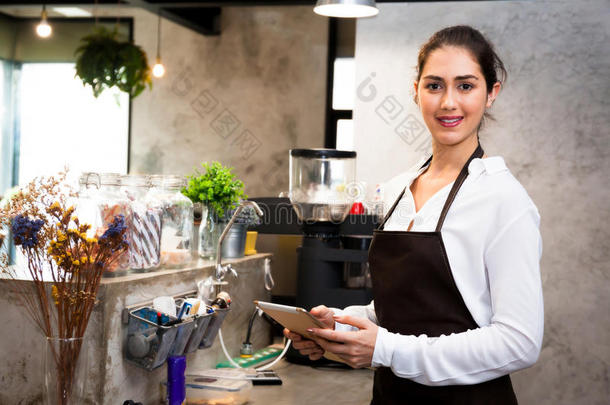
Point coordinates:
[[322, 190]]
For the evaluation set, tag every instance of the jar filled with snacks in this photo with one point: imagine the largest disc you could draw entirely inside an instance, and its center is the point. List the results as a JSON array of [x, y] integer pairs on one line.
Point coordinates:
[[144, 232], [176, 220], [110, 203]]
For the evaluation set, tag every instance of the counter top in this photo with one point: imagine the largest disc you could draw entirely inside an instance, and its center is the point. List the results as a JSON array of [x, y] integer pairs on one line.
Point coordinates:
[[196, 265], [305, 385]]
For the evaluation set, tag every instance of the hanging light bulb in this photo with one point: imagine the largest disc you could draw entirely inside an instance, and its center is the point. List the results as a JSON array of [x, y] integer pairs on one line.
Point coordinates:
[[43, 29], [158, 70], [346, 8]]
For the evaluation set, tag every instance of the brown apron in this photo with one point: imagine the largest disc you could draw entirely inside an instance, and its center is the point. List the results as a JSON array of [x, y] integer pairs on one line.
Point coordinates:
[[415, 294]]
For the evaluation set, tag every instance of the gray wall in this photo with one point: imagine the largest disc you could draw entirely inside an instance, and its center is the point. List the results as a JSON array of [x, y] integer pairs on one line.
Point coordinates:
[[244, 98], [8, 30], [60, 46], [552, 129]]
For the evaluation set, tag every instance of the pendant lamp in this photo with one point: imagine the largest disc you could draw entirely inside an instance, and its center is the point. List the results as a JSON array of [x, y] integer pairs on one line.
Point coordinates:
[[346, 8], [158, 70], [43, 29]]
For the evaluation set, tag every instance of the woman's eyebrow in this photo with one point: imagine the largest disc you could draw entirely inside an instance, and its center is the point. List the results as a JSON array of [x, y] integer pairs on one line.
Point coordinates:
[[464, 77]]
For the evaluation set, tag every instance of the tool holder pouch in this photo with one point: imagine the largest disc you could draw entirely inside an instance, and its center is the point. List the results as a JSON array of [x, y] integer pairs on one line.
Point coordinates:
[[201, 324], [148, 343], [212, 330], [185, 330]]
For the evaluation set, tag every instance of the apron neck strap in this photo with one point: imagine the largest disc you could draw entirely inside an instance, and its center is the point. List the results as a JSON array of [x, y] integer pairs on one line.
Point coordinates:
[[456, 186], [391, 211], [389, 214]]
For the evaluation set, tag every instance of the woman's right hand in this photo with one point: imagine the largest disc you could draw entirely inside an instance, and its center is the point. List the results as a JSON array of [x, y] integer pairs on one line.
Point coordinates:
[[306, 346]]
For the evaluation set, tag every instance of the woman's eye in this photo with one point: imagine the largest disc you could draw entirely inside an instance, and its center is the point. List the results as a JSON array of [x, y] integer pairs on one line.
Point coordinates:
[[433, 86], [466, 86]]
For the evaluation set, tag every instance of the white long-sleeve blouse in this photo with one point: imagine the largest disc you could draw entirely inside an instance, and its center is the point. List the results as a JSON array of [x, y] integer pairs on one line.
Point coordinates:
[[491, 234]]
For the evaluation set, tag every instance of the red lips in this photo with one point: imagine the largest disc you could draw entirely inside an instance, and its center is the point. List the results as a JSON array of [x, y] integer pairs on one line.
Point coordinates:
[[457, 119]]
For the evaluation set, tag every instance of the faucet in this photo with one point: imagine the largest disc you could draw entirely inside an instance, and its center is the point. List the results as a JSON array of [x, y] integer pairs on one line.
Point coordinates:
[[221, 270]]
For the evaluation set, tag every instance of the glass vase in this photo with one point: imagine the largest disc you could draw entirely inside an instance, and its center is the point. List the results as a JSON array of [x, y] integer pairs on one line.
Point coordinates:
[[65, 371], [209, 233]]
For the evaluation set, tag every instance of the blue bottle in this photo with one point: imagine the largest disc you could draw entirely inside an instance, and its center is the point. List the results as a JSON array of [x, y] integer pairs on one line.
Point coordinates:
[[176, 383]]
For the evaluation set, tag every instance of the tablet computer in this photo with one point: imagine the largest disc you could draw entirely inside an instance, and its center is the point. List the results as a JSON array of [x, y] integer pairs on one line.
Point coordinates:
[[296, 319]]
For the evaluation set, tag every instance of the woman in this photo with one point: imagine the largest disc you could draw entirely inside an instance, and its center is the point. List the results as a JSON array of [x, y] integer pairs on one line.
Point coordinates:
[[455, 263]]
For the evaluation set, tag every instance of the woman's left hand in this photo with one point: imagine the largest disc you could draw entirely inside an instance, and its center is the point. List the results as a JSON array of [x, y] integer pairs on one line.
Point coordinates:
[[354, 347]]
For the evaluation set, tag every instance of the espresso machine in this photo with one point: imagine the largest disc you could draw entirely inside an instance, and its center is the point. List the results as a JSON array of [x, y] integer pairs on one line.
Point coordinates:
[[332, 266], [332, 260]]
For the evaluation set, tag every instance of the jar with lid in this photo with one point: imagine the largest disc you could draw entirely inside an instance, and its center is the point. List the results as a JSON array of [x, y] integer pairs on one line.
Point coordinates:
[[176, 220], [110, 202], [87, 209], [144, 234]]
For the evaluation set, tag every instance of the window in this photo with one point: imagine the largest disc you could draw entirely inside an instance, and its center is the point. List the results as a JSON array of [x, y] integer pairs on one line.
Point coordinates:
[[345, 134], [2, 114], [341, 84], [6, 125], [63, 124], [344, 84]]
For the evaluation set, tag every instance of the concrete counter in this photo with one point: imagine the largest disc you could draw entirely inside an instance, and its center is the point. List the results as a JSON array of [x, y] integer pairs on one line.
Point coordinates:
[[112, 378], [305, 385]]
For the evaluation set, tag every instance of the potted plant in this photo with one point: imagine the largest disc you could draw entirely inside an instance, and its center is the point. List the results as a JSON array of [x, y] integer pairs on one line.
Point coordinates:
[[103, 61], [218, 191]]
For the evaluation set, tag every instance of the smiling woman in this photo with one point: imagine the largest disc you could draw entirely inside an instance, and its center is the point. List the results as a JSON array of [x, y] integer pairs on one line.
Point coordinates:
[[466, 78], [455, 264]]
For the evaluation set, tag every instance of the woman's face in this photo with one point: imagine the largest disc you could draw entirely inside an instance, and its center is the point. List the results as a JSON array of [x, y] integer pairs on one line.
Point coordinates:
[[452, 95]]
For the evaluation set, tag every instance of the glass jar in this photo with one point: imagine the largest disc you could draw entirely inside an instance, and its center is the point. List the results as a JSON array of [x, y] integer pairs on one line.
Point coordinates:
[[99, 201], [110, 203], [144, 234], [176, 220], [322, 184], [86, 208]]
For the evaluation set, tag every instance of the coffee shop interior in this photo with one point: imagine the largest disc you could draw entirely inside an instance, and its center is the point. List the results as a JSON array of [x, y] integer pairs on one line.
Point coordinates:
[[181, 141]]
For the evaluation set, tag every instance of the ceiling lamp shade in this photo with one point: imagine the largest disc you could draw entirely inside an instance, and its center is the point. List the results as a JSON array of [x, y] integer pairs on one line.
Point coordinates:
[[346, 8]]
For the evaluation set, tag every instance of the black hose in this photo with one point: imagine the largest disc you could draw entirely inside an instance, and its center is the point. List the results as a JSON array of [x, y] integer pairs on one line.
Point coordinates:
[[250, 326]]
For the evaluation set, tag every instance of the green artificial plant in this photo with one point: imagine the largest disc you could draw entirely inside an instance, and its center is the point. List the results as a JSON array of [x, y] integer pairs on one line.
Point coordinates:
[[103, 61], [217, 188]]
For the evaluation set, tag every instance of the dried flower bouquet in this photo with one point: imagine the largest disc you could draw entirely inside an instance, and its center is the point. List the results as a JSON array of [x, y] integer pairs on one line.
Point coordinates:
[[55, 243]]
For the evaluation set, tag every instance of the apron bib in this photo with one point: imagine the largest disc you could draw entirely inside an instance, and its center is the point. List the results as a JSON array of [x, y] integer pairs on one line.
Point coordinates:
[[415, 294]]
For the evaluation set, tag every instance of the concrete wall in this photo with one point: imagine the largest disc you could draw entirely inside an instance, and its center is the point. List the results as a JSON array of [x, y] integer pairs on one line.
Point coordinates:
[[244, 98], [8, 30], [552, 129], [60, 46]]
